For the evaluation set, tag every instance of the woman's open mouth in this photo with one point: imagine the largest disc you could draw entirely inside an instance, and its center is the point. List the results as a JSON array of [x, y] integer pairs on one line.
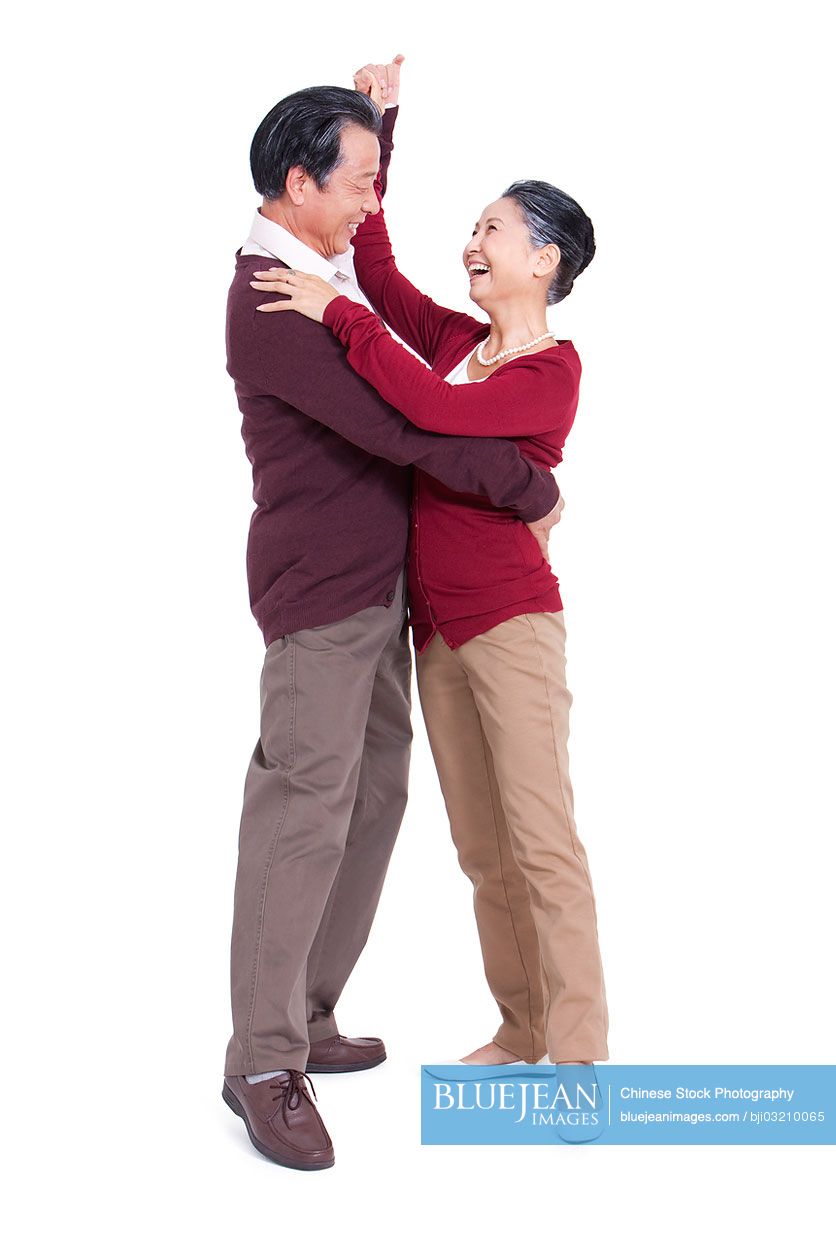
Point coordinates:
[[477, 271]]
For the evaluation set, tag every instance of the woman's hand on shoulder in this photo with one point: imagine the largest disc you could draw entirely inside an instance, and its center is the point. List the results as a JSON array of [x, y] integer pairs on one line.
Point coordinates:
[[308, 294], [381, 82]]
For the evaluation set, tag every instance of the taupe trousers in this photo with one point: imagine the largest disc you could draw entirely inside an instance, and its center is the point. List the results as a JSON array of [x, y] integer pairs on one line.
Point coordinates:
[[497, 716], [324, 797]]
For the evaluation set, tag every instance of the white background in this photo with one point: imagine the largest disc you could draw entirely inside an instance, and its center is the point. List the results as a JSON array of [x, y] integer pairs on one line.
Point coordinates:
[[695, 560]]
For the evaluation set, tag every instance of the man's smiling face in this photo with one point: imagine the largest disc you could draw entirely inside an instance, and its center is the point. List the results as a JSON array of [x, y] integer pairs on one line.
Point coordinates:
[[330, 216]]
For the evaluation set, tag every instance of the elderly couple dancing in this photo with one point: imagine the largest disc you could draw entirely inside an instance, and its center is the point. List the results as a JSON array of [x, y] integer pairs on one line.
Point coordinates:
[[390, 493]]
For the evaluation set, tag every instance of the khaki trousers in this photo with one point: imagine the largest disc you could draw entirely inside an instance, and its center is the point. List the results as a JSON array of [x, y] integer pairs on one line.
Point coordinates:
[[323, 801], [497, 716]]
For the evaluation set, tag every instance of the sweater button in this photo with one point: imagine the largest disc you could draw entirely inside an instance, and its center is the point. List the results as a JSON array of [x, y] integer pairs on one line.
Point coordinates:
[[390, 596]]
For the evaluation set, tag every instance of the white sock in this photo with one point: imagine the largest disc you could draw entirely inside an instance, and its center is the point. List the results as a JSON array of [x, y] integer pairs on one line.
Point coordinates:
[[263, 1076]]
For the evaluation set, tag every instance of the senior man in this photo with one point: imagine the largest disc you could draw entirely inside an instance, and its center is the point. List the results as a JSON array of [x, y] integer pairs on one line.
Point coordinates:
[[326, 787]]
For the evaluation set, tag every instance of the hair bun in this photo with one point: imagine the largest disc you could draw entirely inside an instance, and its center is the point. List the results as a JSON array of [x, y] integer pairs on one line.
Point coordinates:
[[552, 217]]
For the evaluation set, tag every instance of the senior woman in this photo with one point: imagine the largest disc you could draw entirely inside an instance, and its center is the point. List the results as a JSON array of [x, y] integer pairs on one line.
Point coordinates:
[[485, 607]]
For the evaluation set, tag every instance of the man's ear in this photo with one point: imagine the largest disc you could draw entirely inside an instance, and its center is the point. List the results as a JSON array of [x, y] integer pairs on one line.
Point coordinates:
[[296, 184]]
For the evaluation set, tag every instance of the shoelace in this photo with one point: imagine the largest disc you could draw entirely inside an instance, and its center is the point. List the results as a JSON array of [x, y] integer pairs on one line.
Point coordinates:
[[291, 1090]]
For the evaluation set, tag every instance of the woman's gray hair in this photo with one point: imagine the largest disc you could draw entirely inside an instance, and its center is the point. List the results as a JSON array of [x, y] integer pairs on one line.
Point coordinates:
[[552, 217]]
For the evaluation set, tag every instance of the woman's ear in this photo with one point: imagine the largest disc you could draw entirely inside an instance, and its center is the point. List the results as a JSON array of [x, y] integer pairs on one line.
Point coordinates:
[[548, 260]]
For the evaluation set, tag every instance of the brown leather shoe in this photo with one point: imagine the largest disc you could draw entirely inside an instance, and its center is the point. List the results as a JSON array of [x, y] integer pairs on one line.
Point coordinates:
[[345, 1054], [281, 1120]]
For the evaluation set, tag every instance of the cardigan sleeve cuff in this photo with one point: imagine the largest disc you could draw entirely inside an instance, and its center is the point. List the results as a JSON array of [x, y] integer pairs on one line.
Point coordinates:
[[334, 314], [541, 496], [387, 124]]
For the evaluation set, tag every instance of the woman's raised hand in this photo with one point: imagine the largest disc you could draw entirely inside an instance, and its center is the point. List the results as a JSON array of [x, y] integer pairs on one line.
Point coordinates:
[[381, 82]]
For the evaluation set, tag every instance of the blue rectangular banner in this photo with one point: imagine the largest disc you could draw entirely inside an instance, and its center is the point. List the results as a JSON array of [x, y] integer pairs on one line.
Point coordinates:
[[629, 1104]]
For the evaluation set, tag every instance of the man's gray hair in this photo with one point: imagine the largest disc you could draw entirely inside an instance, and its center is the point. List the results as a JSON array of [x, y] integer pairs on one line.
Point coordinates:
[[305, 129]]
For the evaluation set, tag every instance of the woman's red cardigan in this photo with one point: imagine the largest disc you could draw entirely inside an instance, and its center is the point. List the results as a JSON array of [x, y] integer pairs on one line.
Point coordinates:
[[471, 565]]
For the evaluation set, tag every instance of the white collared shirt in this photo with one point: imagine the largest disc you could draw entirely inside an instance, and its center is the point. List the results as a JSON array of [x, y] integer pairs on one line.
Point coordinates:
[[271, 239]]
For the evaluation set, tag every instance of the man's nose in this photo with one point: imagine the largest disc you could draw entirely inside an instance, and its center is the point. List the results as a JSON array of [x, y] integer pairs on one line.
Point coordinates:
[[372, 206]]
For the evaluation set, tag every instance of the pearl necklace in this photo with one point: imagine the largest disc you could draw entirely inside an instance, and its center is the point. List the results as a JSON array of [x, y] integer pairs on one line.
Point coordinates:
[[490, 360]]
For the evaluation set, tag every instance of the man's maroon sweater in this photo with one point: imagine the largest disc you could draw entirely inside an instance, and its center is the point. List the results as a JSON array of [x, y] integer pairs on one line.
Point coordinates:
[[332, 477]]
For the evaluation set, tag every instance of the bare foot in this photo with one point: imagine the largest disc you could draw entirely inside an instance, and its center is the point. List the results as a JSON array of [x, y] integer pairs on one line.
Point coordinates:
[[488, 1056]]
